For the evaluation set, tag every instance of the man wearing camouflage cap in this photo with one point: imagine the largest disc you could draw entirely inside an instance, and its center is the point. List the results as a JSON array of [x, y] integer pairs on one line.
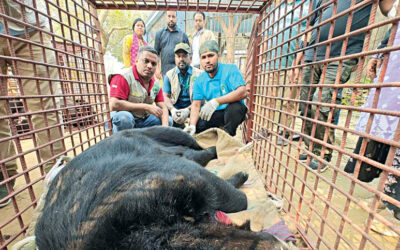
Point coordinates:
[[178, 85], [223, 88]]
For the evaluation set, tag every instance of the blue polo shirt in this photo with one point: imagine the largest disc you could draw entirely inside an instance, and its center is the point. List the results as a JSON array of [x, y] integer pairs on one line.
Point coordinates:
[[227, 79], [184, 97]]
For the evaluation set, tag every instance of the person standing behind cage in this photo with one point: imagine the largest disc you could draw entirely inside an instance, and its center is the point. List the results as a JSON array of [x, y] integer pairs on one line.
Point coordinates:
[[165, 41], [383, 126], [132, 43], [178, 85], [282, 56], [312, 74], [31, 66], [223, 88], [133, 92], [199, 36]]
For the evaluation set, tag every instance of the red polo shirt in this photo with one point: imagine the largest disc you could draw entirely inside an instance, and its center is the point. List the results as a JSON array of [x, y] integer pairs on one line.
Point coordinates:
[[119, 87]]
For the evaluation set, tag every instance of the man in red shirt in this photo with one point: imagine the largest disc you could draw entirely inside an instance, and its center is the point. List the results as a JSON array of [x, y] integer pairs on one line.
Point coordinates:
[[133, 92]]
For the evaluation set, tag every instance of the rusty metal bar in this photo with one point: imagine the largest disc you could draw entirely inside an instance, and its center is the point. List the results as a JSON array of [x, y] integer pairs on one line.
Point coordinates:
[[163, 5], [72, 49], [273, 160]]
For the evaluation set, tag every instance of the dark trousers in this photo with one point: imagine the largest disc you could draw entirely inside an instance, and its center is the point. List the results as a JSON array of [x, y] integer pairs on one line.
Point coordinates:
[[229, 118]]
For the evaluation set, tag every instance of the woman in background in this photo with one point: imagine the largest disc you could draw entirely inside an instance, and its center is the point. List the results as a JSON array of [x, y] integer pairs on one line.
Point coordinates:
[[132, 43]]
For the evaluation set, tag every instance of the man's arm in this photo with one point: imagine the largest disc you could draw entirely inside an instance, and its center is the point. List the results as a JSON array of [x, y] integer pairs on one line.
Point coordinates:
[[385, 6], [375, 61], [212, 36], [168, 101], [158, 73], [385, 40], [234, 96], [167, 93], [185, 39], [122, 105], [164, 116], [157, 45], [194, 112], [296, 62]]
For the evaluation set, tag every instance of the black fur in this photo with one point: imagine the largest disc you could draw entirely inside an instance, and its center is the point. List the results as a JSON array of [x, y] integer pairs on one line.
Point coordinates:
[[139, 190]]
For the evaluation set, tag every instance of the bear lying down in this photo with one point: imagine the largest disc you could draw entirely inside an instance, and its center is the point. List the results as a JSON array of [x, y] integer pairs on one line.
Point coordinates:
[[144, 189]]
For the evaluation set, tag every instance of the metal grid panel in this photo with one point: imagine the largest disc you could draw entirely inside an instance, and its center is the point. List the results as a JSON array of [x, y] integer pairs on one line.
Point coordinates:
[[53, 97], [311, 196], [250, 77], [184, 5], [326, 206]]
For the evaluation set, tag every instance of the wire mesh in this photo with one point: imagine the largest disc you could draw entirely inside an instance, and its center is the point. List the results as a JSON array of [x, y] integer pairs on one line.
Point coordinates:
[[313, 109], [53, 98], [69, 94]]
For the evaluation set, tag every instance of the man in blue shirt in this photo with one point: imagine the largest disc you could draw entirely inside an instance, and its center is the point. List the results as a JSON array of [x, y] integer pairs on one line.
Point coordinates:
[[178, 85], [223, 88]]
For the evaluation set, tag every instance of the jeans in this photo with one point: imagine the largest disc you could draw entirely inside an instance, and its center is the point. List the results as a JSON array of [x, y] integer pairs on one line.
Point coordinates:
[[125, 120]]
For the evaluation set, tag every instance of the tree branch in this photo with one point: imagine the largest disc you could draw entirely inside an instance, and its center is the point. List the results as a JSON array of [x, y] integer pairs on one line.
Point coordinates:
[[223, 25], [106, 36], [117, 28], [103, 16], [237, 25]]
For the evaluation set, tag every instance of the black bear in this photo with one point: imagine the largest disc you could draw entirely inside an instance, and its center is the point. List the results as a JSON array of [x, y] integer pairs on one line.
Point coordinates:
[[144, 189]]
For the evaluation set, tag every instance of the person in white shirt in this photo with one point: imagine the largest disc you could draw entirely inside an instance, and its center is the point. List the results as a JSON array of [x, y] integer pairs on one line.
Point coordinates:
[[199, 37]]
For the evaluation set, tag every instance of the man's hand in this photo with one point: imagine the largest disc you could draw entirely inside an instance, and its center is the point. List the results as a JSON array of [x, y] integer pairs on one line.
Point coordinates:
[[175, 114], [158, 74], [373, 65], [191, 129], [183, 114], [208, 109], [154, 110], [296, 75]]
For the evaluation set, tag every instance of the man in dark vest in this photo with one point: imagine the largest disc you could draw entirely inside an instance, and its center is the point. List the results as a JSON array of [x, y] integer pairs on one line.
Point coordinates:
[[178, 85]]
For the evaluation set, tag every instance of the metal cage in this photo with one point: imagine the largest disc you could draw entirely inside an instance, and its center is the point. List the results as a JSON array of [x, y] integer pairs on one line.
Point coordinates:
[[54, 101], [53, 98]]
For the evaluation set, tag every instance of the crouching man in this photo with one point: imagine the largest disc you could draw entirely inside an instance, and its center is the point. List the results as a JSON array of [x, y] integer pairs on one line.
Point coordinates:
[[178, 85], [133, 93], [223, 88]]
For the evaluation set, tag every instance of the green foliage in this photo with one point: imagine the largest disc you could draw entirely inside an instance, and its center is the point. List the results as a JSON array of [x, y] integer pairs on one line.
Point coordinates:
[[361, 95], [119, 19]]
